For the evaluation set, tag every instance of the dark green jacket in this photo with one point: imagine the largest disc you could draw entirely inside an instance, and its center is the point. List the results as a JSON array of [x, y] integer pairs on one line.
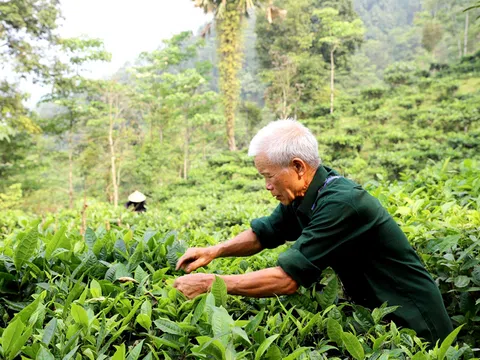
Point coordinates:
[[341, 225]]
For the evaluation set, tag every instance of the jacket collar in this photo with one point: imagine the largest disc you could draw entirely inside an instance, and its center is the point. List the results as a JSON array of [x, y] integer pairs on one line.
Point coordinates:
[[305, 205]]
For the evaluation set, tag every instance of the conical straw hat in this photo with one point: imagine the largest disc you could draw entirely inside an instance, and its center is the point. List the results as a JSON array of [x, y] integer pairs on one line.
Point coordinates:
[[136, 197]]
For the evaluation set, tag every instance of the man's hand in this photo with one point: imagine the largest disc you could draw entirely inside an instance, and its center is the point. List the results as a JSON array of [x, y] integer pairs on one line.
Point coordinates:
[[194, 284], [195, 258]]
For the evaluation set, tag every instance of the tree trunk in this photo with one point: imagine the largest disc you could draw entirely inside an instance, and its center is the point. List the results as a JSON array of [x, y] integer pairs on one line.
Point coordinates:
[[185, 150], [465, 38], [457, 35], [231, 132], [112, 152], [332, 75], [70, 169], [84, 208], [119, 174], [230, 62], [459, 45]]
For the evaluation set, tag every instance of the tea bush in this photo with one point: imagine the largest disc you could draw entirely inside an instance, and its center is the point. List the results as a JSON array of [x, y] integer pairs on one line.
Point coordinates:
[[108, 294]]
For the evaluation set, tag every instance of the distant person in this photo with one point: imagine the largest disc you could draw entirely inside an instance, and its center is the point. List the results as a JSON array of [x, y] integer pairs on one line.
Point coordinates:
[[334, 222], [136, 200]]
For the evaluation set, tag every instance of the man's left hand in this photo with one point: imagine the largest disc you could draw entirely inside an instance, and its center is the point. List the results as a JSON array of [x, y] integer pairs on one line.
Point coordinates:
[[194, 284]]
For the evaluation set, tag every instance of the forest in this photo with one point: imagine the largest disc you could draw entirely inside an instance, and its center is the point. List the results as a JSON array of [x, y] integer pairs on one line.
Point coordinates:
[[390, 89]]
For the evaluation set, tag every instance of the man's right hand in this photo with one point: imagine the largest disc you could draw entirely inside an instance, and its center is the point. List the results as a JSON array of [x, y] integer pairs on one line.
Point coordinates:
[[195, 258]]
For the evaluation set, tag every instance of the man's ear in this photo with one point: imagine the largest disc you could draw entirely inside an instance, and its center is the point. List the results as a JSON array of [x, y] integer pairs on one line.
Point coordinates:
[[299, 166]]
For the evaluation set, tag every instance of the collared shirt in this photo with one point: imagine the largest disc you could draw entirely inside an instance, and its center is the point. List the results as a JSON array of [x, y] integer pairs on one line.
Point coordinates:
[[342, 226]]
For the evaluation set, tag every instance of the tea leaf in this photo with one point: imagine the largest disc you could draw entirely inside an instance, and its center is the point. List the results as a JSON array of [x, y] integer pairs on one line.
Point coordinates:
[[197, 314], [379, 313], [79, 314], [55, 242], [294, 355], [28, 310], [136, 351], [95, 289], [145, 321], [363, 318], [26, 247], [329, 294], [49, 331], [71, 353], [255, 322], [120, 353], [311, 323], [222, 324], [462, 281], [44, 354], [264, 346], [90, 238], [14, 338], [219, 291], [335, 331], [353, 345], [168, 326], [420, 356], [447, 342], [13, 331]]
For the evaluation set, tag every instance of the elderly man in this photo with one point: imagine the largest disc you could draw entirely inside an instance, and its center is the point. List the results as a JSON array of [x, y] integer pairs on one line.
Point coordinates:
[[334, 222]]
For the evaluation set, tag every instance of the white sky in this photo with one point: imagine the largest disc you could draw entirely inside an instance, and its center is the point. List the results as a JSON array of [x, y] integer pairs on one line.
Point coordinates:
[[127, 28]]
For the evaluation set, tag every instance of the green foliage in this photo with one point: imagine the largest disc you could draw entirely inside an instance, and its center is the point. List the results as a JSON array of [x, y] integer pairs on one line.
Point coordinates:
[[11, 197], [229, 22], [178, 102], [401, 73], [432, 34], [295, 54], [27, 30], [229, 18], [373, 93], [90, 294]]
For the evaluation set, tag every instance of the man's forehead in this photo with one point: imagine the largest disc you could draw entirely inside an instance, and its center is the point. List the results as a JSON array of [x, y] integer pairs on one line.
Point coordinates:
[[262, 160], [264, 165]]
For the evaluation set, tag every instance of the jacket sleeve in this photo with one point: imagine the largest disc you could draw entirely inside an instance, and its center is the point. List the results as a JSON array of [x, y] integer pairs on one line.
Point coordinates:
[[274, 230]]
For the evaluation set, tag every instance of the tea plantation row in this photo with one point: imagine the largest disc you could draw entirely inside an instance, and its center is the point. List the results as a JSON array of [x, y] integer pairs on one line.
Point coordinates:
[[108, 294]]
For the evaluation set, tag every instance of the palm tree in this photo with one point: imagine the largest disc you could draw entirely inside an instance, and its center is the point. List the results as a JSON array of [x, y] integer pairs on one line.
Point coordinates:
[[229, 16]]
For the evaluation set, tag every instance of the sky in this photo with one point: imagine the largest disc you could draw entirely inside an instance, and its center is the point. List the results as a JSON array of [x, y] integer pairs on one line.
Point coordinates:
[[127, 28]]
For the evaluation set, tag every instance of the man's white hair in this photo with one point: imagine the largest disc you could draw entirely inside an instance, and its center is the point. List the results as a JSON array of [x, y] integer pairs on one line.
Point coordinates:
[[282, 140]]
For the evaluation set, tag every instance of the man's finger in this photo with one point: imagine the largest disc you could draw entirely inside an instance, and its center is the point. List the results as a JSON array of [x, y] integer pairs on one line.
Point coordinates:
[[193, 266], [183, 260]]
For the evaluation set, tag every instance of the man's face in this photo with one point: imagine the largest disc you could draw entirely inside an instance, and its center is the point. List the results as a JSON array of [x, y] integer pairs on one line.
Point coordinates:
[[284, 183]]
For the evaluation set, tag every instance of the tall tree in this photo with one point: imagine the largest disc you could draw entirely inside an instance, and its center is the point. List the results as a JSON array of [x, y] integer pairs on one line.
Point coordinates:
[[432, 34], [27, 29], [113, 104], [337, 33], [443, 27], [284, 91], [193, 107], [229, 17], [174, 88], [148, 79], [69, 91], [298, 38]]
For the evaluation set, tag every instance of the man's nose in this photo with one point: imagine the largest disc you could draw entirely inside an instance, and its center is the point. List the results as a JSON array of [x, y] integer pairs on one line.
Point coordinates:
[[269, 186]]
